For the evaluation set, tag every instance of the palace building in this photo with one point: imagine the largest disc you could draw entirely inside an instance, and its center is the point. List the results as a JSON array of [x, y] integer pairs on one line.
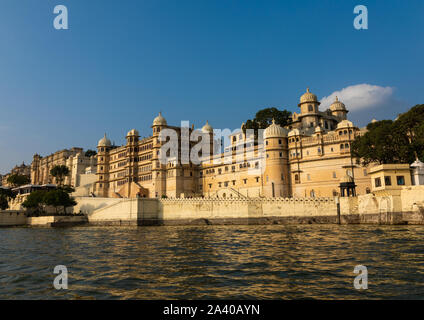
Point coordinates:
[[309, 158], [79, 165], [22, 169]]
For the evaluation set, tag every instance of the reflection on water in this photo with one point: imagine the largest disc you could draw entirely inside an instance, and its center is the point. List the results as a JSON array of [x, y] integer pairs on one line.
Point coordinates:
[[220, 262]]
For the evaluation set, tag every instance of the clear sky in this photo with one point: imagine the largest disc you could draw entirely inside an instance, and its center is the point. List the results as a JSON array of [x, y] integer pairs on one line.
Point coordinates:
[[120, 62]]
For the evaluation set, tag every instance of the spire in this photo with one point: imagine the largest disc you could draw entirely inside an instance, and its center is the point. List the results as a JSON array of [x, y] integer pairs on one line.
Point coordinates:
[[273, 120], [307, 89]]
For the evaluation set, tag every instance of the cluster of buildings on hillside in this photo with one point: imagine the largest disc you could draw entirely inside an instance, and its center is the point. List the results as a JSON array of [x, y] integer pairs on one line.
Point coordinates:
[[308, 158]]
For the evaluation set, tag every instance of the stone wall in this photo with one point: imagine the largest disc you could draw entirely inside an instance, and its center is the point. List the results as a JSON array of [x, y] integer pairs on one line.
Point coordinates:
[[56, 221], [250, 211], [12, 218], [406, 206]]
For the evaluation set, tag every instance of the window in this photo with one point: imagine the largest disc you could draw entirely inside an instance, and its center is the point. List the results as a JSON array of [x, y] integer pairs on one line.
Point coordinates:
[[367, 190], [282, 177], [334, 175], [257, 179], [267, 179], [281, 154], [377, 182], [296, 178], [365, 172], [266, 142], [387, 181], [234, 182], [279, 141], [310, 108], [210, 186], [400, 180], [341, 147], [308, 176], [244, 181]]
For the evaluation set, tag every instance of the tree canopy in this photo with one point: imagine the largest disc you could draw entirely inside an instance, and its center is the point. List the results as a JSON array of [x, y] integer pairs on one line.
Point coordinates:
[[90, 153], [57, 198], [17, 180], [5, 196], [264, 117], [387, 141], [60, 172]]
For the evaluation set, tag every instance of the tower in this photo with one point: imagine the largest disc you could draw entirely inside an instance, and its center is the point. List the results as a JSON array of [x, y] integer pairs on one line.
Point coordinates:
[[309, 112], [35, 169], [276, 173], [208, 130], [158, 168], [132, 163], [103, 148], [338, 110]]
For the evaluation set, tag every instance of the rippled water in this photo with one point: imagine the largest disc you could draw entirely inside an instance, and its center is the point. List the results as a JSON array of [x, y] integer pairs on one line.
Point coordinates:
[[213, 262]]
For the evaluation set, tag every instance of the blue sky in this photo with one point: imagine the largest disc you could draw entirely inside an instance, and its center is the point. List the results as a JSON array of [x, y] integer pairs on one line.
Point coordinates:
[[121, 62]]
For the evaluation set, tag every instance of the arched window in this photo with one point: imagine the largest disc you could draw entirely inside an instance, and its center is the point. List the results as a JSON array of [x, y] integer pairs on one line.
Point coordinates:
[[310, 108]]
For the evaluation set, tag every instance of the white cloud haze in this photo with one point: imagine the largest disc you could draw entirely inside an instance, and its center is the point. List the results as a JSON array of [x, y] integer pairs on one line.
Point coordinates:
[[359, 97]]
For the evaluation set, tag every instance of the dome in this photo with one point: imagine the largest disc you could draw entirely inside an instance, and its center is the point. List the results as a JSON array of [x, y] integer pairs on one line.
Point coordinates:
[[274, 131], [417, 164], [308, 97], [346, 179], [207, 128], [345, 124], [104, 142], [159, 120], [133, 132], [338, 105]]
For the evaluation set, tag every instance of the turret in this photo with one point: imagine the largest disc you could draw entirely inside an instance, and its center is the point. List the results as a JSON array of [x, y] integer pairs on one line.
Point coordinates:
[[276, 173], [338, 109], [309, 109], [158, 169], [103, 148]]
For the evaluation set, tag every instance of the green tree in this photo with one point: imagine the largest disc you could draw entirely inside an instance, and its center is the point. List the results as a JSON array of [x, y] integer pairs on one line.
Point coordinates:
[[59, 198], [411, 123], [4, 203], [17, 180], [5, 196], [60, 172], [264, 117], [399, 141], [35, 201], [90, 153]]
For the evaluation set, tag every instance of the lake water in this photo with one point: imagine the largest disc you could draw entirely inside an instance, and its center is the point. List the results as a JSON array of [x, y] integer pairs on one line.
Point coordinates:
[[213, 262]]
